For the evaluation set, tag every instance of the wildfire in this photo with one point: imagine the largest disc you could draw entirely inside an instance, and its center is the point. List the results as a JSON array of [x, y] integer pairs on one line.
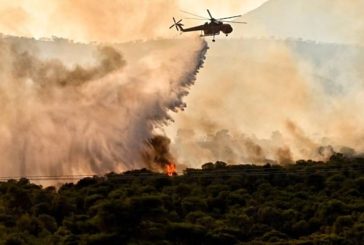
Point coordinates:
[[171, 169]]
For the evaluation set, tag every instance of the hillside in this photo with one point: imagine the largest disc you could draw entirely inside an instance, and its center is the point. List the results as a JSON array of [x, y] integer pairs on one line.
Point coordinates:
[[306, 203]]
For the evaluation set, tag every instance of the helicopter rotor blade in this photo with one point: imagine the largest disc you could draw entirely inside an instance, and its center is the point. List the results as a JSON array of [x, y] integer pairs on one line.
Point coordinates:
[[192, 14], [208, 11], [174, 23], [237, 22], [196, 19], [236, 16]]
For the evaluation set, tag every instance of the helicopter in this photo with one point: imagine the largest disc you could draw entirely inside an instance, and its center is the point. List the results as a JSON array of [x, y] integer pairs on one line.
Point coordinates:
[[212, 28]]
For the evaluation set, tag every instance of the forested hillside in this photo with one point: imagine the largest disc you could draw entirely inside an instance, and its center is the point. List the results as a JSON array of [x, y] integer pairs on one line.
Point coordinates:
[[305, 203]]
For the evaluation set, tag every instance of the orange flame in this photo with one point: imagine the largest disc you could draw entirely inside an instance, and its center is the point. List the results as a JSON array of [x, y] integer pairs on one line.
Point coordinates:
[[171, 169]]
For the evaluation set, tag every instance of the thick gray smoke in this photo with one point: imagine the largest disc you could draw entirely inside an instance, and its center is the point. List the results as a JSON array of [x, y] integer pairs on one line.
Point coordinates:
[[90, 117]]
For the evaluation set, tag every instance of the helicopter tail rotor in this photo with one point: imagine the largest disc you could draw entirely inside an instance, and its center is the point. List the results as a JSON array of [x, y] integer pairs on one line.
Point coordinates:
[[177, 24]]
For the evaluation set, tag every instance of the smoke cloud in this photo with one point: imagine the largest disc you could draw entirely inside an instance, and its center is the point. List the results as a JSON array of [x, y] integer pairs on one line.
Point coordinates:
[[90, 117], [158, 153], [267, 100], [87, 20], [107, 21], [77, 108]]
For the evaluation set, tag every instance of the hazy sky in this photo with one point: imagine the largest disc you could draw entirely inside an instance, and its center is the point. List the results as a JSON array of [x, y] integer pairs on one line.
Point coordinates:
[[334, 21], [241, 86], [220, 7], [125, 20], [91, 20]]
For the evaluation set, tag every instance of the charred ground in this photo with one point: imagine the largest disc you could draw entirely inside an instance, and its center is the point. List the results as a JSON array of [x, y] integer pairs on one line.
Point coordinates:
[[306, 203]]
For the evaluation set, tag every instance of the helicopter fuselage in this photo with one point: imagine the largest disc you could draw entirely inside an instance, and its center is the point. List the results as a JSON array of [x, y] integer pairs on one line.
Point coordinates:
[[214, 28]]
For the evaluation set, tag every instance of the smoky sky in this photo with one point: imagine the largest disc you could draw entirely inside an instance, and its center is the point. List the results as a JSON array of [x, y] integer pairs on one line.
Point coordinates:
[[286, 86], [266, 100], [92, 117]]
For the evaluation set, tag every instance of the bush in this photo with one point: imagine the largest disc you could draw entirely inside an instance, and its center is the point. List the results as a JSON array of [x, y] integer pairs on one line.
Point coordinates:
[[219, 204]]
